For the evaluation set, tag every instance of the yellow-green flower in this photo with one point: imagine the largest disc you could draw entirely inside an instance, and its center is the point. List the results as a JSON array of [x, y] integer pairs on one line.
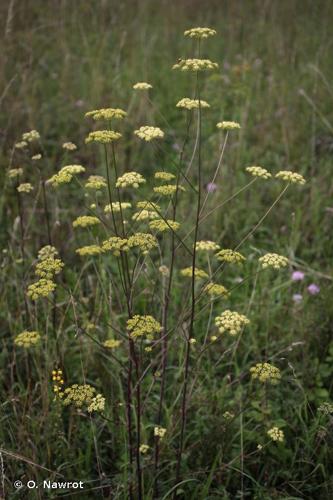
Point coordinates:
[[130, 179], [228, 255], [206, 246], [27, 339], [112, 343], [195, 65], [168, 189], [106, 114], [70, 146], [276, 434], [116, 206], [25, 187], [292, 177], [228, 125], [159, 431], [41, 288], [86, 221], [265, 372], [15, 172], [95, 182], [200, 33], [144, 215], [231, 322], [198, 273], [144, 241], [142, 86], [162, 225], [90, 250], [273, 260], [164, 176], [139, 326], [49, 267], [33, 135], [103, 136], [115, 244], [215, 290], [189, 104], [148, 133], [144, 448], [257, 171]]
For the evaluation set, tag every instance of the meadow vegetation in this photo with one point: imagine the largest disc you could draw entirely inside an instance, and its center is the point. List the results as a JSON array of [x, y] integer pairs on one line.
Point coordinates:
[[166, 278]]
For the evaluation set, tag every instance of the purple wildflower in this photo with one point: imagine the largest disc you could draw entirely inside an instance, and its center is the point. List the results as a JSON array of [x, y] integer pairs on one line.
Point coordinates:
[[297, 276], [313, 289], [211, 187]]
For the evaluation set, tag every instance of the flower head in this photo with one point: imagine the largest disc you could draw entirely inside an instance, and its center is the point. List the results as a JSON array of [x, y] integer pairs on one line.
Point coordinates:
[[70, 146], [200, 33], [143, 241], [273, 260], [265, 372], [148, 133], [15, 172], [228, 255], [167, 189], [189, 104], [25, 187], [313, 289], [289, 176], [116, 206], [207, 246], [97, 404], [116, 245], [258, 172], [297, 276], [144, 448], [48, 267], [41, 288], [95, 182], [228, 125], [162, 225], [106, 114], [195, 65], [103, 136], [27, 339], [130, 179], [112, 343], [86, 221], [215, 290], [31, 136], [276, 434], [211, 187], [159, 431], [90, 250], [198, 273], [142, 86], [36, 157], [164, 176], [231, 322], [139, 326]]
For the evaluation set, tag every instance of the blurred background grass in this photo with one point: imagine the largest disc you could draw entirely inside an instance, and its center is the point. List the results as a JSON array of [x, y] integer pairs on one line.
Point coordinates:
[[61, 59]]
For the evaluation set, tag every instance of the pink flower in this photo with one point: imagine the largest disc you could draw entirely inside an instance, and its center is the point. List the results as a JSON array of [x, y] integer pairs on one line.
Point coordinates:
[[211, 187], [297, 276], [313, 289]]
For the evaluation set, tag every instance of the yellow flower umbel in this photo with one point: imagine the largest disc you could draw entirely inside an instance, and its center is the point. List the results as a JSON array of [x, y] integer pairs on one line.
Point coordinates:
[[292, 177], [257, 171], [95, 182], [89, 250], [200, 33], [148, 133], [206, 246], [103, 136], [276, 434], [215, 290], [58, 381], [198, 273], [195, 65], [167, 190], [273, 260], [143, 241], [231, 256], [189, 104], [228, 125], [36, 157], [116, 206], [144, 448], [130, 179], [27, 339], [115, 244], [65, 174], [106, 114], [48, 267], [140, 326], [15, 172], [144, 215], [112, 343], [25, 187], [159, 431], [47, 252], [265, 372], [83, 397], [69, 146], [86, 221], [21, 145], [142, 86], [164, 176], [231, 322], [31, 136], [41, 288], [162, 225]]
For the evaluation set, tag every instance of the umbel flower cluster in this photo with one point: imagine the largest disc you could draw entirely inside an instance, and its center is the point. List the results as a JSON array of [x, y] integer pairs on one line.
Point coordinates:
[[47, 267]]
